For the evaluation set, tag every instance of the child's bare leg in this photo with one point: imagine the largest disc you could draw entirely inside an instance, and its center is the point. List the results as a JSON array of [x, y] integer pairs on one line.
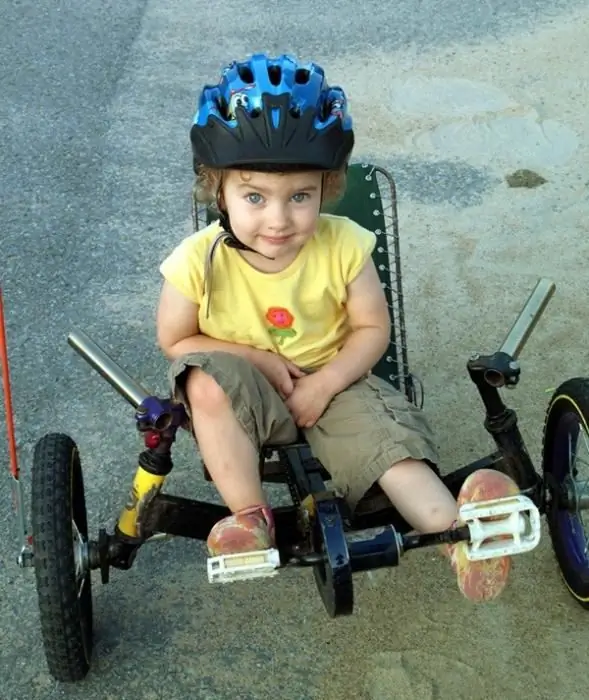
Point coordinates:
[[420, 496], [227, 451], [428, 506], [233, 463]]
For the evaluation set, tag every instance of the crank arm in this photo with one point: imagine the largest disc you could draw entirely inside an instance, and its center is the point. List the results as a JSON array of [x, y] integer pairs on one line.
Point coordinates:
[[515, 530]]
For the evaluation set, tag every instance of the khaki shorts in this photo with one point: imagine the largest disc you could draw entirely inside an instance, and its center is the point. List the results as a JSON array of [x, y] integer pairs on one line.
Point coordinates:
[[364, 431]]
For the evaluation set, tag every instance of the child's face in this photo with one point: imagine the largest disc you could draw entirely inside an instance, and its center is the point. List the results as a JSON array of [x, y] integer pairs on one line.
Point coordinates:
[[275, 214]]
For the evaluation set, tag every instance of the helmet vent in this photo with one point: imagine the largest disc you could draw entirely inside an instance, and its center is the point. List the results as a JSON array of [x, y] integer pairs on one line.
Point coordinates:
[[302, 76], [275, 74], [223, 107], [246, 74]]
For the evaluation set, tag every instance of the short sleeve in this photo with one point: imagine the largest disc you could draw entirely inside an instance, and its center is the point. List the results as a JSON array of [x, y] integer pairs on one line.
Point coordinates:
[[184, 270], [357, 244]]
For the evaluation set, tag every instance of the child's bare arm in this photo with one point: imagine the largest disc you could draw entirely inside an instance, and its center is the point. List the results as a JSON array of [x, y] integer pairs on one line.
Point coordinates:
[[178, 332], [369, 318]]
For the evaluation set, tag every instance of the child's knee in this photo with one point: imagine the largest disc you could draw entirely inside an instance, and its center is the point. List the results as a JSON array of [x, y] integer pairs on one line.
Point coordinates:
[[438, 517], [204, 393]]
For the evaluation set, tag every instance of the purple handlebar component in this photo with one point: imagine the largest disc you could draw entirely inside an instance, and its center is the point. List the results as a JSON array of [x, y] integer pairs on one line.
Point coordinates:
[[158, 414]]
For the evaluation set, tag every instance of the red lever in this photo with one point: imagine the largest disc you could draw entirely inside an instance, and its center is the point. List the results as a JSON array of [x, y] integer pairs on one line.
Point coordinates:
[[152, 439]]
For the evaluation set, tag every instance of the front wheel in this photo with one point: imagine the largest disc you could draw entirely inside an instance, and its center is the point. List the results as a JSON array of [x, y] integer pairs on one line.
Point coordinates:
[[565, 466], [60, 551]]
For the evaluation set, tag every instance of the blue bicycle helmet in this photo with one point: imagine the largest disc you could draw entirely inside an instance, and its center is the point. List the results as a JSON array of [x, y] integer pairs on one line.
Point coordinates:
[[266, 113]]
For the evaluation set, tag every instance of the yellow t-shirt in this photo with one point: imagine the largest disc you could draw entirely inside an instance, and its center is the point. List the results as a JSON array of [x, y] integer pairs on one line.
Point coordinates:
[[298, 312]]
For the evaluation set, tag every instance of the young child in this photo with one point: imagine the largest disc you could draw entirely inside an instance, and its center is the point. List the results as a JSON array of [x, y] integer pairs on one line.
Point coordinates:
[[273, 316]]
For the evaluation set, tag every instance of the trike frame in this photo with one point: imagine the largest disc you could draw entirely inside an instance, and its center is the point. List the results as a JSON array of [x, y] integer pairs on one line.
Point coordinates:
[[377, 539], [317, 529]]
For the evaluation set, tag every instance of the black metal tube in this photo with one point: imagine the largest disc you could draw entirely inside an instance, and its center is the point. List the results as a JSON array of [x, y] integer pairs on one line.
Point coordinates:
[[115, 375], [417, 541]]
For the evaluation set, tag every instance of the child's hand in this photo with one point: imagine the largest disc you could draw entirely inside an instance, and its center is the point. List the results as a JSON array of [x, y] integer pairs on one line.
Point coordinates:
[[308, 401], [279, 371]]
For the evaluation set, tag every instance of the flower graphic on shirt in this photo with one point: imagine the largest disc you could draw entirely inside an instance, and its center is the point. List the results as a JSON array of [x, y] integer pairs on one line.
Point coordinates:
[[281, 321]]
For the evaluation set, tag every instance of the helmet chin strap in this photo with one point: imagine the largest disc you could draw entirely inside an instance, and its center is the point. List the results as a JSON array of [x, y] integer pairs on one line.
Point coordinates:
[[231, 240]]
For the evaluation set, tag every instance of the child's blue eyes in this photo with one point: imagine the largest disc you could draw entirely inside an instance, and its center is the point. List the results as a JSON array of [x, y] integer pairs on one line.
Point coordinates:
[[255, 198]]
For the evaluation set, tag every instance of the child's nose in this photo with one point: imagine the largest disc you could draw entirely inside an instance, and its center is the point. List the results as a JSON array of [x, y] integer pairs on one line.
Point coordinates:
[[278, 217]]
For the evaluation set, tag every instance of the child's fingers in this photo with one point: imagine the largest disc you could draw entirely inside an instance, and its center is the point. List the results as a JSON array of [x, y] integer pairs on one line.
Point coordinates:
[[286, 385], [294, 370]]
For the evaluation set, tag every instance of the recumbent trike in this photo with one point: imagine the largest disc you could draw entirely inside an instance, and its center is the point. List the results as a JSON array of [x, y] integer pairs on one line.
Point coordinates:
[[316, 530]]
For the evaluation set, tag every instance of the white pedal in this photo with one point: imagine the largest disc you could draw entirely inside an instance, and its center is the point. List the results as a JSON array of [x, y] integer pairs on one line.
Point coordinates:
[[519, 524], [227, 568]]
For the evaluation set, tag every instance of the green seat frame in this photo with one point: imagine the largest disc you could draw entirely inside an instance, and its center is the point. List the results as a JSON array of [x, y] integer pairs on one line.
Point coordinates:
[[370, 200]]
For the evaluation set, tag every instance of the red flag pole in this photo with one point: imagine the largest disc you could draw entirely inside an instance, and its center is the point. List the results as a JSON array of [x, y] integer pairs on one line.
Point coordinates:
[[14, 470], [25, 556]]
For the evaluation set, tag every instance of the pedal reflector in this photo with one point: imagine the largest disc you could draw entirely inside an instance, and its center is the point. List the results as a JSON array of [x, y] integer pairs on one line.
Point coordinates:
[[227, 568], [517, 527]]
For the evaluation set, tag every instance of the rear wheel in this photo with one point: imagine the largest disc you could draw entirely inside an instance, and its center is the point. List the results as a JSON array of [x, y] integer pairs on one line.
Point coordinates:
[[60, 550], [565, 465]]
